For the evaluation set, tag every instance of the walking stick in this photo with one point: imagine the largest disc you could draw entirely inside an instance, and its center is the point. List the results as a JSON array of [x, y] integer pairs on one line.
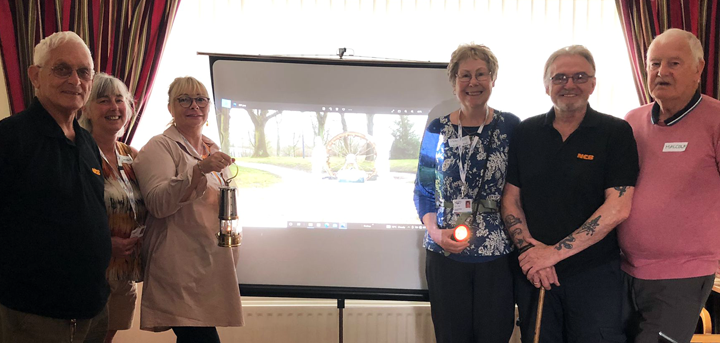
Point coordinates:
[[538, 318]]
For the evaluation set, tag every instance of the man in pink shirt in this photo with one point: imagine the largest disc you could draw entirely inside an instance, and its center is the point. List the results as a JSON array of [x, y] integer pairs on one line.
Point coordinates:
[[671, 240]]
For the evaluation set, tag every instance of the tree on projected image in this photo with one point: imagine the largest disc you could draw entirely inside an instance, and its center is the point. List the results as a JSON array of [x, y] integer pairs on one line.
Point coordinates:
[[370, 123], [319, 125], [407, 143], [259, 118]]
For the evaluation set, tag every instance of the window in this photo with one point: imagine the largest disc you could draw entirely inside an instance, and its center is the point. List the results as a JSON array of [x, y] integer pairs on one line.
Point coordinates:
[[522, 33]]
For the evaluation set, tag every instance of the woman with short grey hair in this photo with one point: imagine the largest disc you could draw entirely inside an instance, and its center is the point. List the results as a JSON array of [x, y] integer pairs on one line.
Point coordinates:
[[107, 112], [460, 179]]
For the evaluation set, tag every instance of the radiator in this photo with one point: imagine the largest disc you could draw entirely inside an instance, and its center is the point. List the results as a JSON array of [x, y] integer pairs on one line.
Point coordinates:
[[300, 321], [276, 320]]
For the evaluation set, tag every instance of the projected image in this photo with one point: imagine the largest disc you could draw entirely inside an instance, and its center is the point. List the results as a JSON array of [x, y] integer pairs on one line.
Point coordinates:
[[325, 144], [327, 169]]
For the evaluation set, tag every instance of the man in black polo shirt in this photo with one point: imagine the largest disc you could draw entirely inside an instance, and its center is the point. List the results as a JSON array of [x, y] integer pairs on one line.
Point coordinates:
[[570, 182], [53, 227]]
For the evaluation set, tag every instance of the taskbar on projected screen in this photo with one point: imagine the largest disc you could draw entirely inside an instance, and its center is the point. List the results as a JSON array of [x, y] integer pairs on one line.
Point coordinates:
[[351, 226]]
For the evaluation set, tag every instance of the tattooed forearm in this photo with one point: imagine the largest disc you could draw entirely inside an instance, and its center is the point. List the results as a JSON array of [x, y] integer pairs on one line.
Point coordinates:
[[565, 243], [517, 237], [511, 220], [589, 227], [622, 190]]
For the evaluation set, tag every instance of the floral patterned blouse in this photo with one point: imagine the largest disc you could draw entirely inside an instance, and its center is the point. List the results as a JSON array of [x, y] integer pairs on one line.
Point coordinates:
[[121, 218], [438, 182]]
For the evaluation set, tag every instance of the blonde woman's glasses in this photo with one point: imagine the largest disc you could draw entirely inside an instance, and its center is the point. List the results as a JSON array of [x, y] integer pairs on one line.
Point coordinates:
[[186, 101]]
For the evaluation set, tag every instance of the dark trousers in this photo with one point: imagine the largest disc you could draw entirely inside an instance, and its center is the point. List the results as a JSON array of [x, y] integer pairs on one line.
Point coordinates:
[[196, 334], [585, 308], [470, 302], [669, 306], [713, 307], [22, 327]]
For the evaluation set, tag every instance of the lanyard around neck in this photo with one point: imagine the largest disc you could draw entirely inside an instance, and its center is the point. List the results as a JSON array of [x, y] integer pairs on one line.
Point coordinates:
[[462, 164], [463, 171], [123, 181]]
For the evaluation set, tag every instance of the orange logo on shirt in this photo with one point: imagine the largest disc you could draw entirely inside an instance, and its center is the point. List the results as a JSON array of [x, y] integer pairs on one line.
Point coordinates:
[[96, 171], [586, 157]]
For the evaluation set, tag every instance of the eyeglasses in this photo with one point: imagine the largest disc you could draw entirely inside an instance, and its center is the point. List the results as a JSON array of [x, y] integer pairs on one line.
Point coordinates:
[[466, 77], [186, 101], [63, 71], [562, 79]]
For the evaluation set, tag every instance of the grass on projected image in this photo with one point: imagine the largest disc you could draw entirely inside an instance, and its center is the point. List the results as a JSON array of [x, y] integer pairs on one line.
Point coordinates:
[[305, 164], [297, 163], [252, 178], [404, 166], [255, 178]]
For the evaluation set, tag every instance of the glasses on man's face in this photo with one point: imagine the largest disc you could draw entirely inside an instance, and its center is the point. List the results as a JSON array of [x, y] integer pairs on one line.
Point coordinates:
[[562, 79], [63, 71], [186, 101], [466, 77]]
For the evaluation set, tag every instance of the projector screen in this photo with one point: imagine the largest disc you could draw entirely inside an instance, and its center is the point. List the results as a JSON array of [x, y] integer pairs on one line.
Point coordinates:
[[327, 153]]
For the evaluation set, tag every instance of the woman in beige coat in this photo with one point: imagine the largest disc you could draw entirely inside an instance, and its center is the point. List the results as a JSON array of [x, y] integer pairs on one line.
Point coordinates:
[[190, 283]]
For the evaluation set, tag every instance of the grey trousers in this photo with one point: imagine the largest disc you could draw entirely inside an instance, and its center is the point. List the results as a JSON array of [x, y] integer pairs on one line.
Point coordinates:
[[669, 306]]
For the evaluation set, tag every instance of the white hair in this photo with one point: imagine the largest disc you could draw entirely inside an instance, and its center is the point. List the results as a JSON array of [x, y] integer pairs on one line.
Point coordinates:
[[47, 44], [693, 42]]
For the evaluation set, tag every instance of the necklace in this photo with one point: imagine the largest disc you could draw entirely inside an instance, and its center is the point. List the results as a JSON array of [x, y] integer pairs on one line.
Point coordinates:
[[485, 121]]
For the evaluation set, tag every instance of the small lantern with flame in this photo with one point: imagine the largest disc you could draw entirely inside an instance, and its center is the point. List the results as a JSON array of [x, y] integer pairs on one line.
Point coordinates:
[[230, 234]]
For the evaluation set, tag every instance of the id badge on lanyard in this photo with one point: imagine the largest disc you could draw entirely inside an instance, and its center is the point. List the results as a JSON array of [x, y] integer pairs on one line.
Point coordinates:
[[463, 204], [126, 186]]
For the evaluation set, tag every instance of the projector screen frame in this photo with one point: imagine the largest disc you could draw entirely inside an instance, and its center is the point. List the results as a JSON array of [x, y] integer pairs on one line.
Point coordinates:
[[324, 292], [213, 57], [321, 292]]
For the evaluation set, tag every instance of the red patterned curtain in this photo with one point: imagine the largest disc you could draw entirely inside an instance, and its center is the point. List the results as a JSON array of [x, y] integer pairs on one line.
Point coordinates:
[[126, 38], [643, 20]]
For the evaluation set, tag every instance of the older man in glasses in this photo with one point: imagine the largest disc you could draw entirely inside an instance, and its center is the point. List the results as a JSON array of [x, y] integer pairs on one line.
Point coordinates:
[[671, 241], [54, 230], [570, 182]]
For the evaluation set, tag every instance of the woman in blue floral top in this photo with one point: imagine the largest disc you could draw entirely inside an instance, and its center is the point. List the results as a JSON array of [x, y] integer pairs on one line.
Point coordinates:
[[463, 160]]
